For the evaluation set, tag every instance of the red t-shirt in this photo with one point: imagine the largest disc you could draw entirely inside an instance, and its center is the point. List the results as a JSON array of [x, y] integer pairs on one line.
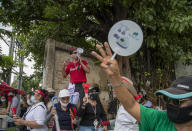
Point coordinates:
[[76, 76]]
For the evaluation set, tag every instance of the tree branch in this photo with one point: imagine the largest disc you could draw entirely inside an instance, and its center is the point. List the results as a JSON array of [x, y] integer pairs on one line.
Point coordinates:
[[48, 19]]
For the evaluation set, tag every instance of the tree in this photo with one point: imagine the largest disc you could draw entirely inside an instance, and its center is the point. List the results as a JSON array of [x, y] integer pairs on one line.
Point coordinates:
[[166, 25], [6, 64], [29, 82]]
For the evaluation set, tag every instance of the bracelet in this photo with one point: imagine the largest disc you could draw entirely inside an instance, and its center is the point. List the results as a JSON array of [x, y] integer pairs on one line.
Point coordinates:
[[116, 85]]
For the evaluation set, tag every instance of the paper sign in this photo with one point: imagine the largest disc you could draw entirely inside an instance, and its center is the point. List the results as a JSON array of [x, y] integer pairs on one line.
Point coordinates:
[[125, 37]]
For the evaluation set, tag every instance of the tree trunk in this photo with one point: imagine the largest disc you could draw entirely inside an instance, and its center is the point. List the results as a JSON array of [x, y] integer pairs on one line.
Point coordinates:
[[124, 65]]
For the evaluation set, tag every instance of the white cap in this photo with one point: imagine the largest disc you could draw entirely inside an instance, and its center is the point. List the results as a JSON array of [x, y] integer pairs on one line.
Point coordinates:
[[64, 93]]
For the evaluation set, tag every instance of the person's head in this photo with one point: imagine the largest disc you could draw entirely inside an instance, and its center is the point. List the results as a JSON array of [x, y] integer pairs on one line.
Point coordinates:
[[178, 98], [3, 99], [23, 97], [73, 53], [51, 93], [64, 97], [93, 92], [38, 96], [13, 93]]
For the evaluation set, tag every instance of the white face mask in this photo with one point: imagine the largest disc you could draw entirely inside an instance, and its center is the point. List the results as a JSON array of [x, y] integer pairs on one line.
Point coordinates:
[[64, 104], [3, 100], [33, 99]]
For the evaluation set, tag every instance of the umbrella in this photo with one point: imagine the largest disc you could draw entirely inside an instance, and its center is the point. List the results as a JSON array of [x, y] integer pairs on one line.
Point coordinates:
[[5, 89]]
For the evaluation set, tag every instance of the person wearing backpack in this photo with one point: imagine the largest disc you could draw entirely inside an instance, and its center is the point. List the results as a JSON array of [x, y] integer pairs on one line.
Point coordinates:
[[66, 112]]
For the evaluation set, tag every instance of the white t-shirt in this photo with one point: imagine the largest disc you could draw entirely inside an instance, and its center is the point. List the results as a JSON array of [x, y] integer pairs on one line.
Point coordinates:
[[38, 114], [124, 121]]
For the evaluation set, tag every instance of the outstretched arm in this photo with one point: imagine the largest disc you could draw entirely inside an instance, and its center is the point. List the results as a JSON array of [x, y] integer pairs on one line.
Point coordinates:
[[112, 70]]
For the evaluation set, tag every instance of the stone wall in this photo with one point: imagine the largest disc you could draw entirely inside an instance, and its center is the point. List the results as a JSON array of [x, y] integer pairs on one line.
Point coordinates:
[[55, 54]]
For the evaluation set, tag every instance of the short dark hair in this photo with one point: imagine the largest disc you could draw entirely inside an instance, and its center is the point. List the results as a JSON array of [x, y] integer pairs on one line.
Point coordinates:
[[94, 87], [44, 98], [14, 92]]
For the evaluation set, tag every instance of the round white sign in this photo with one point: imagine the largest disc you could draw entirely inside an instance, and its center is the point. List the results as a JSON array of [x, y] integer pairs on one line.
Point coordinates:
[[125, 37], [80, 50]]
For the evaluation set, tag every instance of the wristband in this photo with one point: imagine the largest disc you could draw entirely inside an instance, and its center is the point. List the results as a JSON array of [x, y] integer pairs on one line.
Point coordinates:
[[105, 123], [138, 96]]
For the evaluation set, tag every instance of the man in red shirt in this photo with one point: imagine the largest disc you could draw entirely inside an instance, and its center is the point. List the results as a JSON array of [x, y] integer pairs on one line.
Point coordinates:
[[77, 69]]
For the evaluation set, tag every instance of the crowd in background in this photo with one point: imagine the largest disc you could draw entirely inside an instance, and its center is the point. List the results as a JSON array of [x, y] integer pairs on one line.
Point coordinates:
[[74, 108]]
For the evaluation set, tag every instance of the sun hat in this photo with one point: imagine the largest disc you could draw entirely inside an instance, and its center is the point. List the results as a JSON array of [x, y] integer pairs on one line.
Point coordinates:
[[64, 93]]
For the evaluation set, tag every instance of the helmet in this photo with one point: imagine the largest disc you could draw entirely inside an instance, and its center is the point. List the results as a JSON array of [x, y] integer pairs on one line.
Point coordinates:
[[64, 93]]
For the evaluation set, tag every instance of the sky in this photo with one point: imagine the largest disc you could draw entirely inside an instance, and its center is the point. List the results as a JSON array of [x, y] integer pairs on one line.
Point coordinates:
[[28, 68]]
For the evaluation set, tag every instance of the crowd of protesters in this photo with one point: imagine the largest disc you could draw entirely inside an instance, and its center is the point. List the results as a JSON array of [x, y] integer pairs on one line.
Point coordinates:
[[40, 110]]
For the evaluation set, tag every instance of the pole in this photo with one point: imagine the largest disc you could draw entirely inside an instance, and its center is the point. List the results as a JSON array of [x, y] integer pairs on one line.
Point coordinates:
[[19, 85], [21, 60], [11, 50]]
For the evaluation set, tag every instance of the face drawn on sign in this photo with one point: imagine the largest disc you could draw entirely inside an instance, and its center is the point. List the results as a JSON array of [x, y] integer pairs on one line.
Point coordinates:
[[125, 37]]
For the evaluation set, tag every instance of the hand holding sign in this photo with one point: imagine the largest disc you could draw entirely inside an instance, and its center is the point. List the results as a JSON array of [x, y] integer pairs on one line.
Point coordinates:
[[125, 38], [79, 52], [86, 87]]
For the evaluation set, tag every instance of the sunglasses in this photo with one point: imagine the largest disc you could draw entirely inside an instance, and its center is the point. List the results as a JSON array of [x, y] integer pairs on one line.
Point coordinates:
[[175, 101]]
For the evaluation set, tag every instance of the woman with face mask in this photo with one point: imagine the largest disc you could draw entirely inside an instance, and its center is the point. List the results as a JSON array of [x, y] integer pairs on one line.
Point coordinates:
[[34, 118], [92, 112], [3, 102], [66, 112]]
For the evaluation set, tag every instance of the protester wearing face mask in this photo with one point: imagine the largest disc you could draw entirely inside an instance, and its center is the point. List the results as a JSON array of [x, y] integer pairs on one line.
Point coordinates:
[[35, 116], [66, 112], [179, 102], [14, 103], [3, 102], [51, 94], [92, 113]]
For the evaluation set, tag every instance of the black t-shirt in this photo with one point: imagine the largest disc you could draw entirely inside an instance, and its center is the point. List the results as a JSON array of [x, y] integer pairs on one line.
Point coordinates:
[[88, 115]]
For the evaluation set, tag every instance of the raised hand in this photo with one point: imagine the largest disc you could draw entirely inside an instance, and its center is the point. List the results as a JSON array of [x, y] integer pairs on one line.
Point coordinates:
[[53, 111], [110, 66], [64, 64]]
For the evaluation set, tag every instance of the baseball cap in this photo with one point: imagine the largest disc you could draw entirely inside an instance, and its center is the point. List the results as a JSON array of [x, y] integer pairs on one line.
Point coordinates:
[[181, 88], [93, 88], [72, 50], [64, 93]]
